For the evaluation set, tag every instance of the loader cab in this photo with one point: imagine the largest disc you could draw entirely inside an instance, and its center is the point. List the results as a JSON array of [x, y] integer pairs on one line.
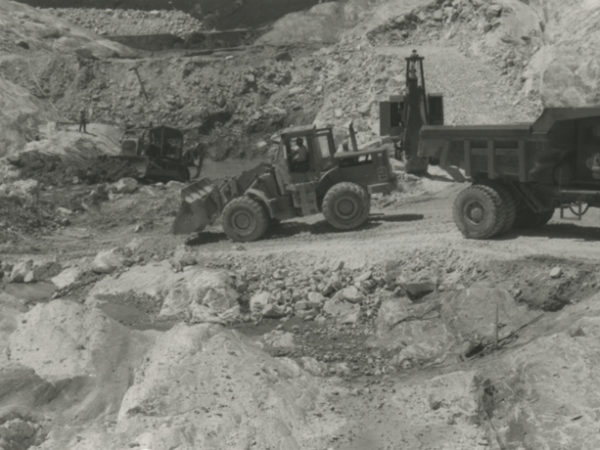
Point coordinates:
[[319, 148]]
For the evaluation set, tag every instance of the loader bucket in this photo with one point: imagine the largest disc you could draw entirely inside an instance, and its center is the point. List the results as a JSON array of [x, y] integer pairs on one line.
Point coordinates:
[[201, 205]]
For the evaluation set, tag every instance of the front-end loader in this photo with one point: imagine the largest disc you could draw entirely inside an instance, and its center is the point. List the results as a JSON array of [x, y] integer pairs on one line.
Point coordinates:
[[338, 184]]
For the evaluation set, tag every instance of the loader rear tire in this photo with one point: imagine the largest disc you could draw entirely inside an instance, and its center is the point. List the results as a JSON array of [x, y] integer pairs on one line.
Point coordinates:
[[244, 220], [478, 212], [346, 206]]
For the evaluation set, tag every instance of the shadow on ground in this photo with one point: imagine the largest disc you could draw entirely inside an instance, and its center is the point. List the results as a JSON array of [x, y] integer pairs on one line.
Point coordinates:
[[292, 228], [564, 230]]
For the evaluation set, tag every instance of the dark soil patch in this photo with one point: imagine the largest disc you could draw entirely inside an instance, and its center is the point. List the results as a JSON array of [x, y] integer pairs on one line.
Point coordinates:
[[533, 284]]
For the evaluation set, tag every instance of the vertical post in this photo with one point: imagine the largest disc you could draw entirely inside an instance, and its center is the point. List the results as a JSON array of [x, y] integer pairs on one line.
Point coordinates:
[[421, 58], [467, 156], [491, 159], [141, 83], [522, 166]]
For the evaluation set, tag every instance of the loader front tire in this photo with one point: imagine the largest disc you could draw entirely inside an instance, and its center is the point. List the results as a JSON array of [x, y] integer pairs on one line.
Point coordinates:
[[346, 206], [478, 213], [244, 220]]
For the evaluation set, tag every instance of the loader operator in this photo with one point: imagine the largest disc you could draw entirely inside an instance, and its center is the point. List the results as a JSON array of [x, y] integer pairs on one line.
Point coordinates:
[[300, 156]]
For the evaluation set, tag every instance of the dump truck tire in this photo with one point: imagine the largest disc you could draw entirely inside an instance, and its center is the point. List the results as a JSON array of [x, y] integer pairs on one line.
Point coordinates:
[[508, 209], [346, 206], [478, 212], [244, 220]]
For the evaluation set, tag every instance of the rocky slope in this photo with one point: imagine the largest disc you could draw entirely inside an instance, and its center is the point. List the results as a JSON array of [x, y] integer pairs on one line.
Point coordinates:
[[130, 22], [444, 346], [219, 13], [116, 334], [496, 62]]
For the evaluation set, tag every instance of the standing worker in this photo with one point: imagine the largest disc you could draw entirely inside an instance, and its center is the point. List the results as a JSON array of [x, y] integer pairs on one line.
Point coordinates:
[[82, 121]]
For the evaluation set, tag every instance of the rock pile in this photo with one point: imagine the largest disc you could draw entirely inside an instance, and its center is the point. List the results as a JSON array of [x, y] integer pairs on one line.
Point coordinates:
[[22, 211], [278, 288], [118, 22]]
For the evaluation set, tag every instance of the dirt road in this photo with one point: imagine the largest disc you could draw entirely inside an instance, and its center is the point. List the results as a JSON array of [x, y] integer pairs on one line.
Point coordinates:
[[416, 222], [408, 221]]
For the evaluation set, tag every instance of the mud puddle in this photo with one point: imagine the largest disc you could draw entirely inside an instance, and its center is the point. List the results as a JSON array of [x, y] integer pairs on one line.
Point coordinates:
[[132, 317], [31, 292]]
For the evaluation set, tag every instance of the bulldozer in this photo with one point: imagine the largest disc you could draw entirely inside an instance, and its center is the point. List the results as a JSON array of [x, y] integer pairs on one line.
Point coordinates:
[[156, 153], [147, 154], [338, 184], [153, 153]]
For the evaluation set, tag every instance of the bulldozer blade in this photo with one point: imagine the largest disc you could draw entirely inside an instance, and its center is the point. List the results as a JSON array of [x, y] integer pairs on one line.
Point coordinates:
[[201, 205], [140, 165]]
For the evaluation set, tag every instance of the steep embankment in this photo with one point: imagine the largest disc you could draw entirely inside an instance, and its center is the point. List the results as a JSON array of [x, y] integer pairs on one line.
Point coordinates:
[[30, 39], [494, 62], [220, 13]]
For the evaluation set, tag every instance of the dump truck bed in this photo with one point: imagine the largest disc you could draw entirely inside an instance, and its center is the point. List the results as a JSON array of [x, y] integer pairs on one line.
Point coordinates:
[[499, 150], [560, 139]]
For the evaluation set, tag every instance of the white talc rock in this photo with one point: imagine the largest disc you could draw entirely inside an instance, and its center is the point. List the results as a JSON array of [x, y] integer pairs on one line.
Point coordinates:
[[67, 277], [108, 261], [195, 293]]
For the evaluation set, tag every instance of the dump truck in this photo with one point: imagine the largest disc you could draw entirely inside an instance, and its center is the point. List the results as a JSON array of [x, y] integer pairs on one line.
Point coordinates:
[[338, 184], [402, 116], [520, 173]]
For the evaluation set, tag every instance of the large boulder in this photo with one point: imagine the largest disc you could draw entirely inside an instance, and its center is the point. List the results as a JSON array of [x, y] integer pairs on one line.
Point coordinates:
[[79, 349], [323, 23], [413, 331], [437, 412], [27, 189], [22, 393], [342, 311], [10, 310], [203, 386], [20, 116], [28, 271], [544, 394], [125, 185], [67, 277], [480, 313], [194, 294], [564, 69], [107, 261]]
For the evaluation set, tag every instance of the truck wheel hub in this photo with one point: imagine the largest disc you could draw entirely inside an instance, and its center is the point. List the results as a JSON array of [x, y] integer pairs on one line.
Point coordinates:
[[241, 220], [474, 212], [346, 208]]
